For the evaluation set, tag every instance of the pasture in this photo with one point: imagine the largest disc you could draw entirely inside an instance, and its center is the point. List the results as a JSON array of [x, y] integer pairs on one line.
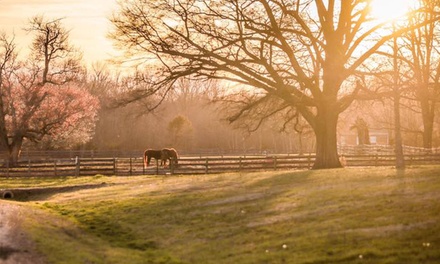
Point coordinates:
[[351, 215]]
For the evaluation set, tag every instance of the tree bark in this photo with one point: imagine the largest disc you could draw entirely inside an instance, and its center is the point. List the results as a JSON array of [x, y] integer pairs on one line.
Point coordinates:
[[326, 141], [428, 123], [398, 148], [300, 144], [4, 146], [400, 161], [15, 150]]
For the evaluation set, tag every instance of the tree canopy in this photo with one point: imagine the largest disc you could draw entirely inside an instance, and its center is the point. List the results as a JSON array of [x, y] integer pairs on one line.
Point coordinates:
[[38, 96]]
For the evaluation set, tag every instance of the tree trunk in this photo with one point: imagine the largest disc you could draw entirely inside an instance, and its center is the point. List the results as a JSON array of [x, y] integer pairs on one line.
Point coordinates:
[[398, 145], [427, 135], [4, 146], [398, 148], [326, 141], [428, 123], [15, 150]]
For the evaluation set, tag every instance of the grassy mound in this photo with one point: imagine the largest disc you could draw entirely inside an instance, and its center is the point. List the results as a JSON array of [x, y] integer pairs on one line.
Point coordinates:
[[362, 215]]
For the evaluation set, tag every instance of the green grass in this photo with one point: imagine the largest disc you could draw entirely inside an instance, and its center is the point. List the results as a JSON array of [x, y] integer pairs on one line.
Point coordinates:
[[353, 215]]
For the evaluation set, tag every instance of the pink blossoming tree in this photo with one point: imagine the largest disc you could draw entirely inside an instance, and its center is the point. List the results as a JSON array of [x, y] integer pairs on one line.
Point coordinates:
[[41, 97]]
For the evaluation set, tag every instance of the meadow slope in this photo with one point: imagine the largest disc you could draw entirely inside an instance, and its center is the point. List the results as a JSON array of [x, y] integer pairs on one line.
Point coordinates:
[[351, 215]]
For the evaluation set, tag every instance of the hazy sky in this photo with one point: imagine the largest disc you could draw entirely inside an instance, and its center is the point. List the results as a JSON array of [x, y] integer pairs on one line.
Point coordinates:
[[87, 20]]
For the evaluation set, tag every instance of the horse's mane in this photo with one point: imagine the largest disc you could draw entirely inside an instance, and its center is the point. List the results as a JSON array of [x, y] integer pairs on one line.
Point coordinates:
[[174, 152], [168, 153]]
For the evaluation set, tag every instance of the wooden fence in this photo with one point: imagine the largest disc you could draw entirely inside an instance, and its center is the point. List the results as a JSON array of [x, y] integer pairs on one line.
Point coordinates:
[[190, 165], [94, 154], [383, 149]]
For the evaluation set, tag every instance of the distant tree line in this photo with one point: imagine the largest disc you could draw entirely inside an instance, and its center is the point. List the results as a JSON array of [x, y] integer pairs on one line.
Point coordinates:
[[190, 120]]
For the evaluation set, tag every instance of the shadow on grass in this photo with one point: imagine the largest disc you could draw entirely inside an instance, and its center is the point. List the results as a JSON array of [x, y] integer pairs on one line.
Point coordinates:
[[6, 252], [285, 178], [44, 193]]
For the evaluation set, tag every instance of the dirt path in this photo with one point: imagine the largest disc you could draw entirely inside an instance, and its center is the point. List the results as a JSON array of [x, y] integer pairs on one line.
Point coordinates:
[[15, 247]]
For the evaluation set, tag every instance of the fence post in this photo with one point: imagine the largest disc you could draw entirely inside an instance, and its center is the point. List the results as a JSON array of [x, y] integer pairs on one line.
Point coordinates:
[[77, 166], [172, 160], [309, 160], [275, 163], [29, 167], [114, 166], [7, 167], [239, 164], [55, 167], [206, 166]]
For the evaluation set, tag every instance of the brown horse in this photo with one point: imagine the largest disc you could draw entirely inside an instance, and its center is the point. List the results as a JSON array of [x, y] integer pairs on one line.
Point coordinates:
[[152, 153], [171, 155]]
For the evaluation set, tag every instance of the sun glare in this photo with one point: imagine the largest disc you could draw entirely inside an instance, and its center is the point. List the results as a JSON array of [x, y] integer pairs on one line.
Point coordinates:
[[390, 9]]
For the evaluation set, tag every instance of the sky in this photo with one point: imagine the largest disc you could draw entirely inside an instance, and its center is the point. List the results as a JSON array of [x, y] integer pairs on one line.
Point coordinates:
[[87, 20]]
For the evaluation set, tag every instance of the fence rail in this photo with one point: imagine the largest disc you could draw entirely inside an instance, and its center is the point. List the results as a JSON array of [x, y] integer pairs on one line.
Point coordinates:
[[94, 154], [190, 165], [383, 149]]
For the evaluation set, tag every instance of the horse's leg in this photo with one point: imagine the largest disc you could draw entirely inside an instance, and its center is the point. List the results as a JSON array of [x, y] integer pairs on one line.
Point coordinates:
[[163, 158], [147, 159]]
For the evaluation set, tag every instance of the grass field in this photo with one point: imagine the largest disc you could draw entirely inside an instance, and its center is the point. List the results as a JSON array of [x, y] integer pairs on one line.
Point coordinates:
[[352, 215]]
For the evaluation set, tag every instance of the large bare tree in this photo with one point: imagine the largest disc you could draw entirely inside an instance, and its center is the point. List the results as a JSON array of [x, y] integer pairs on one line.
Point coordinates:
[[297, 56]]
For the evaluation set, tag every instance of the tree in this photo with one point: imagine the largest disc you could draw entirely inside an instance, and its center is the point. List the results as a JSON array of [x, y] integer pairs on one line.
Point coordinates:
[[66, 118], [424, 62], [181, 130], [36, 100], [7, 66], [301, 56], [362, 131], [55, 60]]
